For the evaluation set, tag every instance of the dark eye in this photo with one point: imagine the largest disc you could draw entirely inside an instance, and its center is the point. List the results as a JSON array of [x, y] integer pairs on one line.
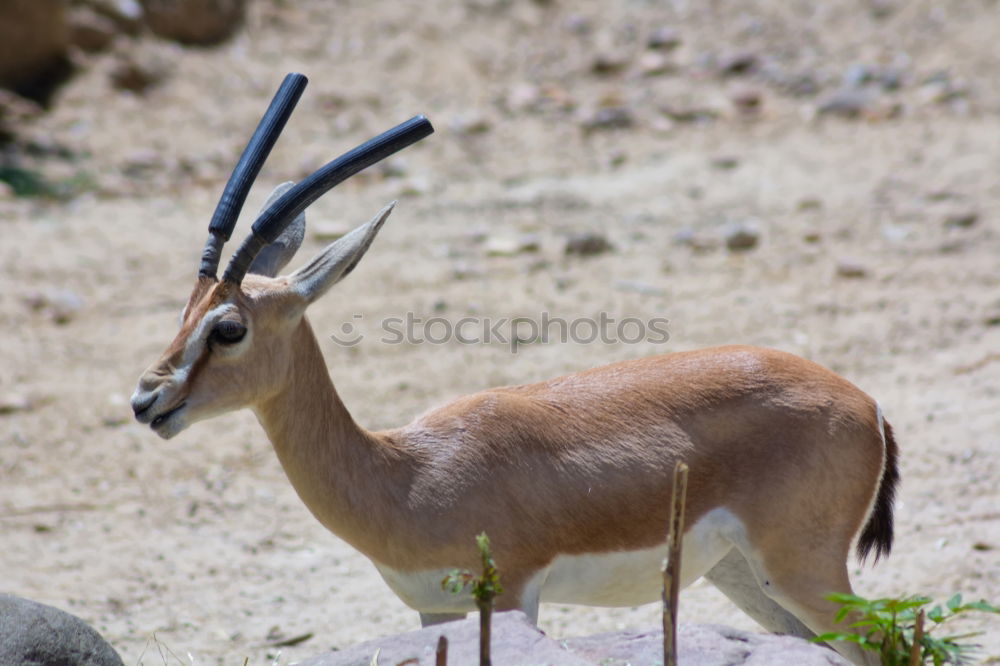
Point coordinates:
[[228, 332]]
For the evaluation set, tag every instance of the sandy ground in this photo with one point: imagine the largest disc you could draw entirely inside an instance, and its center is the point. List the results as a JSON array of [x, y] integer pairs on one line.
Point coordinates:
[[197, 550]]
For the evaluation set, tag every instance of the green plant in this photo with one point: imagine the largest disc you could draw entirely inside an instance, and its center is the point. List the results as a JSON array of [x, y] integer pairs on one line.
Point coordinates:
[[484, 588], [888, 626]]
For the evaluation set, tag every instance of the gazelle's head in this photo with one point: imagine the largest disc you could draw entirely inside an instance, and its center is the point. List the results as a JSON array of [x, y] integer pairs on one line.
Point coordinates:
[[236, 338]]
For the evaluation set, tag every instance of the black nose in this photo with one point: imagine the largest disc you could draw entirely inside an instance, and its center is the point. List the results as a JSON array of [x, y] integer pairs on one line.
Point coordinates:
[[142, 403]]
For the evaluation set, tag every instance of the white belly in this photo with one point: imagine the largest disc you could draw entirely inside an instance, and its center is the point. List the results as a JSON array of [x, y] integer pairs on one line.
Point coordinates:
[[622, 578]]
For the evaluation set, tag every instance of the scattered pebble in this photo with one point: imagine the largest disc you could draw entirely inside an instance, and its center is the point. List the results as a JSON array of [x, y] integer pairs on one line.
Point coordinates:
[[848, 102], [61, 305], [654, 63], [962, 219], [737, 63], [611, 117], [588, 243], [725, 162], [642, 288], [471, 123], [849, 268], [742, 236], [509, 246], [747, 101], [12, 403], [608, 63], [664, 38]]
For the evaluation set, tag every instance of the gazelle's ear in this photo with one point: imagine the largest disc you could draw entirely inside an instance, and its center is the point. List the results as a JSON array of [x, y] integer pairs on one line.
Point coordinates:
[[337, 260], [276, 255]]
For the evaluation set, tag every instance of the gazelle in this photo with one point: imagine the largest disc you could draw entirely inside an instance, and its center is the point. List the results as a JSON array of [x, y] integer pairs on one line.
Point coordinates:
[[571, 478]]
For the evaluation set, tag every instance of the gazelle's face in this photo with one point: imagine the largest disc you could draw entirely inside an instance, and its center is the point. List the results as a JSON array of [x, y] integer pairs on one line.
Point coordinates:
[[232, 351]]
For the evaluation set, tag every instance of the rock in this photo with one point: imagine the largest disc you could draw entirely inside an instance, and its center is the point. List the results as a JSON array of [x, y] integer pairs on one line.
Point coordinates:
[[848, 103], [587, 244], [747, 101], [737, 63], [138, 71], [664, 38], [89, 30], [609, 117], [608, 63], [197, 22], [126, 14], [742, 236], [654, 63], [13, 403], [38, 635], [850, 268], [34, 39], [61, 305], [516, 641], [509, 246], [962, 219]]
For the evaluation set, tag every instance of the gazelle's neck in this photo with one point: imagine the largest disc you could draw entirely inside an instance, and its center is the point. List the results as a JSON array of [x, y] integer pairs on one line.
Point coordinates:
[[337, 467]]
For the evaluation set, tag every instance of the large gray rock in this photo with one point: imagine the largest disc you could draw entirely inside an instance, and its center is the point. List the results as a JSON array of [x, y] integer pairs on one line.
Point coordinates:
[[517, 641], [34, 38], [33, 634], [200, 22]]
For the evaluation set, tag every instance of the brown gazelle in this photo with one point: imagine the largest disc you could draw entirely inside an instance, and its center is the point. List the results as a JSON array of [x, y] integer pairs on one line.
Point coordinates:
[[571, 478]]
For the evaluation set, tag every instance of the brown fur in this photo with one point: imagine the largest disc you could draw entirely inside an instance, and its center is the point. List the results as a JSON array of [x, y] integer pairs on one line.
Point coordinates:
[[577, 464]]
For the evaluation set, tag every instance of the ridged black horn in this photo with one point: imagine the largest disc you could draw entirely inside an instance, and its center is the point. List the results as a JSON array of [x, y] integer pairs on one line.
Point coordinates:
[[243, 176], [278, 215]]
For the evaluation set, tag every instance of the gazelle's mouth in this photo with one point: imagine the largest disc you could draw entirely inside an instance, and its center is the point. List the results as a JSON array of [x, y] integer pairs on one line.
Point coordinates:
[[162, 418]]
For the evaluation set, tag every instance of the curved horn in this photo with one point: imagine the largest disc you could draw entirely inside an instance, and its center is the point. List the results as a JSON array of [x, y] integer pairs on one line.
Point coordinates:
[[278, 215], [257, 150]]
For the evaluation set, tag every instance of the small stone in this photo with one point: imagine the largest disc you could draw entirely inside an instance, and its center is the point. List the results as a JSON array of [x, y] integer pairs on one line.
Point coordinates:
[[742, 236], [848, 103], [509, 246], [587, 244], [664, 38], [578, 24], [857, 75], [90, 30], [962, 219], [747, 101], [725, 162], [138, 73], [608, 63], [12, 403], [737, 63], [653, 63], [849, 268], [612, 117], [471, 123], [328, 231]]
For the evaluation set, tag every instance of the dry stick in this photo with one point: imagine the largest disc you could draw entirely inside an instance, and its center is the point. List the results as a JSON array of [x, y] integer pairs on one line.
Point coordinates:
[[485, 610], [441, 658], [672, 566], [918, 638]]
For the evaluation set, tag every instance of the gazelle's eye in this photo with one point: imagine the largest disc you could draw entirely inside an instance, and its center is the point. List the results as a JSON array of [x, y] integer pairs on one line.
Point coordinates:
[[228, 332]]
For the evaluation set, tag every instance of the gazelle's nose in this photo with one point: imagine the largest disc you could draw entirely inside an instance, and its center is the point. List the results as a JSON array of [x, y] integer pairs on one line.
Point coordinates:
[[141, 402]]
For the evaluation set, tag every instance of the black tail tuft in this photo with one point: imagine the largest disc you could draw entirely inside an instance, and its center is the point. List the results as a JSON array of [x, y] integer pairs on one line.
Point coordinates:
[[877, 534]]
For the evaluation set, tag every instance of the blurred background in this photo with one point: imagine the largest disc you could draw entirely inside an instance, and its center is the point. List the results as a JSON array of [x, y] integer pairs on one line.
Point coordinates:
[[817, 177]]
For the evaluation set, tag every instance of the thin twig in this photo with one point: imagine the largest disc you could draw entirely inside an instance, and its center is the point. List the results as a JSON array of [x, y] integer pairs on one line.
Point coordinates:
[[918, 639], [672, 566], [485, 611], [441, 658]]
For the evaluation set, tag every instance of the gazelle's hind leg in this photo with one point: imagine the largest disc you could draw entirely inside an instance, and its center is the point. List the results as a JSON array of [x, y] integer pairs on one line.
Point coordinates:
[[799, 580], [733, 577]]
